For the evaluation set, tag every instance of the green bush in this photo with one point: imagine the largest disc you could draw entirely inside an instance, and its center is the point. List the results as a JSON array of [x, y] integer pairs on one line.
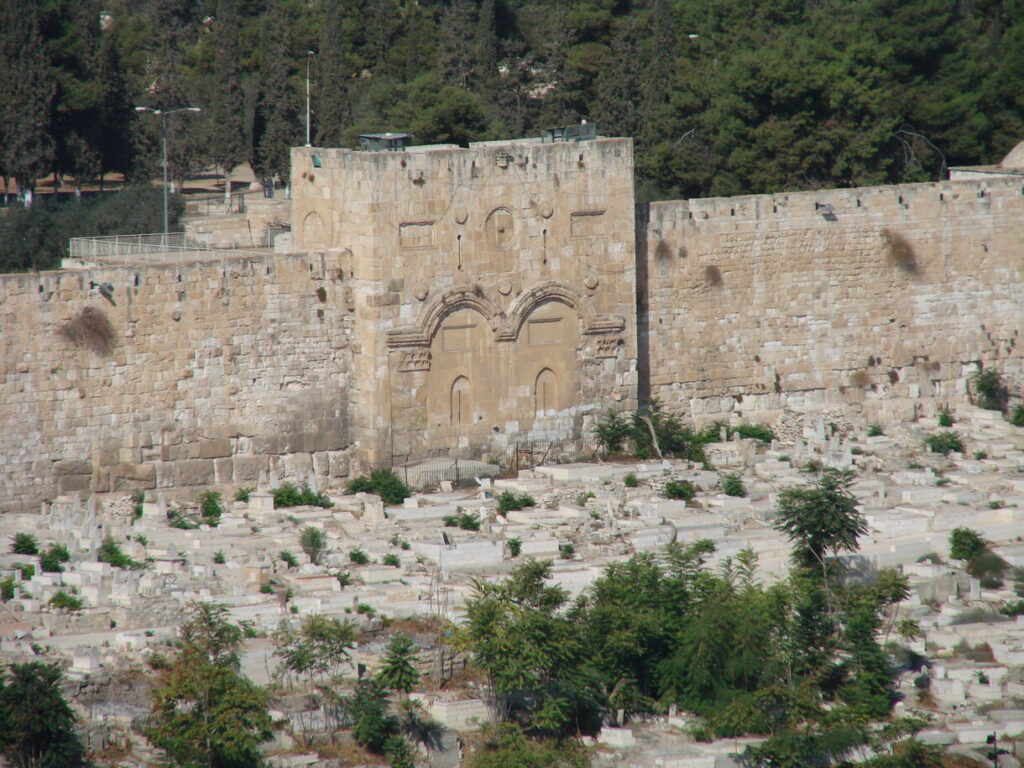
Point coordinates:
[[875, 430], [243, 493], [313, 541], [680, 489], [944, 443], [53, 559], [366, 609], [566, 551], [210, 507], [288, 558], [966, 544], [358, 557], [392, 560], [509, 501], [7, 588], [344, 578], [290, 496], [630, 481], [383, 482], [219, 558], [583, 498], [515, 546], [24, 544], [138, 499], [64, 601], [612, 431], [756, 431], [37, 237], [990, 390], [110, 552], [1017, 416], [266, 589], [28, 570], [178, 519], [732, 485], [463, 520], [945, 418]]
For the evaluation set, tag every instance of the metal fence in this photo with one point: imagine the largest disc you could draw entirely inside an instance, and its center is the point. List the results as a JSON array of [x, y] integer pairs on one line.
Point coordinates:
[[153, 248], [124, 245], [430, 473], [527, 454]]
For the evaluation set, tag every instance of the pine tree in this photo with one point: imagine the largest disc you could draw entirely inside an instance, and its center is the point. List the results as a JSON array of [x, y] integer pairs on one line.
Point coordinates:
[[619, 111], [333, 109], [115, 144], [26, 94], [227, 135], [398, 671], [457, 61], [36, 723]]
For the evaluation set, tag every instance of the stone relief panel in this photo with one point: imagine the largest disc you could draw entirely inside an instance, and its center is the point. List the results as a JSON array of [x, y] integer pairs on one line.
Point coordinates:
[[499, 228]]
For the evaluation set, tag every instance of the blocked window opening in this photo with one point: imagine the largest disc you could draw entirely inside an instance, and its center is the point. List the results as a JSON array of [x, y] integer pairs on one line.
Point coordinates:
[[545, 391], [460, 406]]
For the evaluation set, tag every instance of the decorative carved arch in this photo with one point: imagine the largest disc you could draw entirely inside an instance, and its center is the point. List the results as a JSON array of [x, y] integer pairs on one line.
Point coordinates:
[[551, 290], [462, 297]]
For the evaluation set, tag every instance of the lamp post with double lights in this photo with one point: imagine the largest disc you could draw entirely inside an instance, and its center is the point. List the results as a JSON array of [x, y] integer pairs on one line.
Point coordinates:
[[162, 114]]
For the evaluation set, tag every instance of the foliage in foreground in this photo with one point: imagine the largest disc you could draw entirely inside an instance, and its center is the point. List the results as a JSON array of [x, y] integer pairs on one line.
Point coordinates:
[[205, 713], [944, 443], [805, 664], [383, 482], [36, 722]]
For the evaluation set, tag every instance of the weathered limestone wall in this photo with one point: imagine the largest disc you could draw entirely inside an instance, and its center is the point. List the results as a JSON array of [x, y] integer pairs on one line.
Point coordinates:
[[873, 297], [203, 374], [493, 288]]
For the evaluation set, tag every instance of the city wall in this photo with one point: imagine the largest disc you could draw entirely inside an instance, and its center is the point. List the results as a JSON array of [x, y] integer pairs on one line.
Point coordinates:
[[198, 374], [456, 301], [883, 298]]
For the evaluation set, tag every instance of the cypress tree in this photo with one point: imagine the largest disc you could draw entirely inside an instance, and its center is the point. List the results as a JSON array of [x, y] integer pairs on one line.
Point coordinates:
[[279, 123], [26, 94], [227, 135], [334, 112]]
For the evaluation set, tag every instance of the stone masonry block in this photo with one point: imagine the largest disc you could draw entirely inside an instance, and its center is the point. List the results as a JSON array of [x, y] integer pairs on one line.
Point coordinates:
[[223, 470], [247, 469], [194, 472], [69, 483], [215, 449]]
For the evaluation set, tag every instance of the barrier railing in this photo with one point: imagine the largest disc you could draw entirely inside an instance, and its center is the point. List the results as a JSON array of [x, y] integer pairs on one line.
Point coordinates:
[[154, 248]]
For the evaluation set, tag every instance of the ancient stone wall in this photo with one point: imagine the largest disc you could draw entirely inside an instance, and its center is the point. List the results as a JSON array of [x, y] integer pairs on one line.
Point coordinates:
[[884, 298], [493, 287], [200, 374]]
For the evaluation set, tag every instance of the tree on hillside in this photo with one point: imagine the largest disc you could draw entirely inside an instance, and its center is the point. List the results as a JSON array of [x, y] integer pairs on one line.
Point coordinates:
[[821, 521], [333, 108], [36, 723], [26, 92], [228, 146], [398, 670], [279, 126], [205, 713]]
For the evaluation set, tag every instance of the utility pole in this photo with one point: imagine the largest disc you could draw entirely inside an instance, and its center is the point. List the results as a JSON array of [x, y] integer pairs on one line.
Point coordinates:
[[162, 114], [309, 58]]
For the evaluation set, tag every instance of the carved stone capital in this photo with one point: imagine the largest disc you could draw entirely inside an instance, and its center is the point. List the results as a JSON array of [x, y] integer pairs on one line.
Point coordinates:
[[411, 360]]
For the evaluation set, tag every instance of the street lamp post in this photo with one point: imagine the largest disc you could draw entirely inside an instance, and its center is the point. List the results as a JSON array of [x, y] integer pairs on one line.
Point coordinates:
[[309, 58], [162, 114]]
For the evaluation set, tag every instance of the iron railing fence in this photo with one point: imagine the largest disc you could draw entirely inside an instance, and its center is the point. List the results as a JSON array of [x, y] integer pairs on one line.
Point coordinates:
[[151, 248]]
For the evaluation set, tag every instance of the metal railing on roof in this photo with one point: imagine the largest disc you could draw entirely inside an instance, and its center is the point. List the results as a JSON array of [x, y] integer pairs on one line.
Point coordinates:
[[150, 248]]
